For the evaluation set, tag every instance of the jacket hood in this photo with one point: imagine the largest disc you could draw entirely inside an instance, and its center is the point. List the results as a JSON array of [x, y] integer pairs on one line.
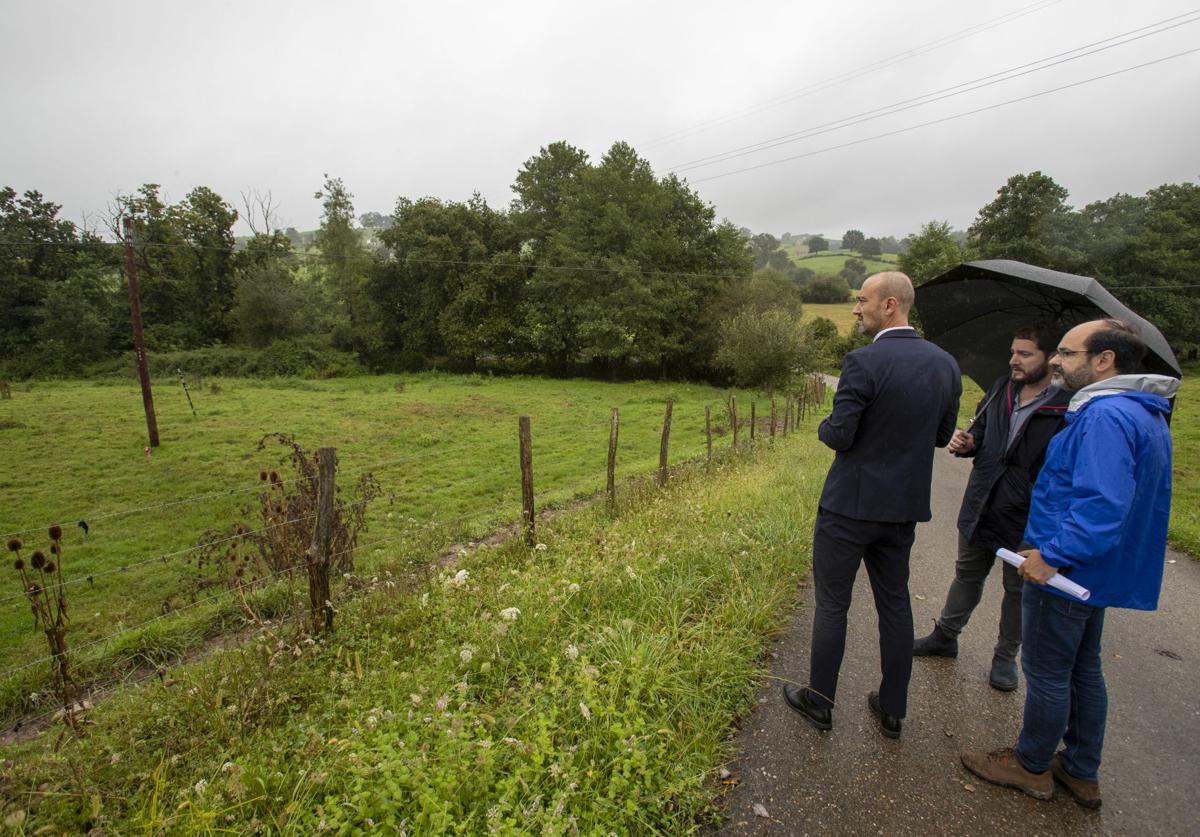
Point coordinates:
[[1158, 387]]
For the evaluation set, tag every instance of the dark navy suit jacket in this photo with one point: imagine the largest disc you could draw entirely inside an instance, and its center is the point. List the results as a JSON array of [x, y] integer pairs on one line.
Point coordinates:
[[897, 399]]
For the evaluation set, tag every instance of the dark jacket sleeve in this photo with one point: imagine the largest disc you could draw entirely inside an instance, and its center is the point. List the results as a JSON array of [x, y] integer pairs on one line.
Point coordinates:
[[950, 416], [853, 394]]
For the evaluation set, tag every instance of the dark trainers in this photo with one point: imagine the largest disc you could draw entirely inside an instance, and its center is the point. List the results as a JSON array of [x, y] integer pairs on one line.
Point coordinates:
[[802, 702], [1004, 674], [937, 644], [1085, 794], [1001, 767], [889, 725]]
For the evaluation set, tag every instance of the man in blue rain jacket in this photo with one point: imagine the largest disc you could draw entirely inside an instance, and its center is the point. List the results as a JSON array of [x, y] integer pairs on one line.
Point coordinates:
[[1098, 516]]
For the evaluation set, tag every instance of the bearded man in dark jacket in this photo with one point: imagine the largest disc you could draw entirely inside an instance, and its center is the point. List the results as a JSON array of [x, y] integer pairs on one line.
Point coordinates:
[[1008, 438]]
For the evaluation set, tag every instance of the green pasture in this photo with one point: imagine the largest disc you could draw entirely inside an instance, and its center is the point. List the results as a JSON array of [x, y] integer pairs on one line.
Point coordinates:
[[445, 451], [831, 263], [841, 315], [1185, 432], [588, 685]]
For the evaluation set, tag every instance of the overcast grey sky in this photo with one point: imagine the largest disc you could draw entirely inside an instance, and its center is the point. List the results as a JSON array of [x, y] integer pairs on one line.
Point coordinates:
[[443, 98]]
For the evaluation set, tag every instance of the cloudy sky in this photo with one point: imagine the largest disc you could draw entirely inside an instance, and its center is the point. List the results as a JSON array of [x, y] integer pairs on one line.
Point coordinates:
[[445, 98]]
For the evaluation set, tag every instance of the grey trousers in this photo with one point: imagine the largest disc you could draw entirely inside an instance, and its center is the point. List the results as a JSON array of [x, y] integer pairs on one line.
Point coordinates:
[[970, 572]]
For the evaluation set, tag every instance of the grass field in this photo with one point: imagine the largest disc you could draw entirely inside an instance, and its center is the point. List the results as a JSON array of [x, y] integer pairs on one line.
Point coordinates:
[[832, 263], [585, 686], [841, 315], [445, 451]]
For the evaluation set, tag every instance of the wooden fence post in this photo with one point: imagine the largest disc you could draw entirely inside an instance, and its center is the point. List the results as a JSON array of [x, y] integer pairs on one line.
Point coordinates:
[[733, 418], [613, 425], [753, 405], [318, 559], [662, 449], [527, 512], [773, 415], [708, 427]]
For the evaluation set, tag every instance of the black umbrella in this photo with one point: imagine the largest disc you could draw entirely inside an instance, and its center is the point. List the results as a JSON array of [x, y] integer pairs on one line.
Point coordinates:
[[972, 310]]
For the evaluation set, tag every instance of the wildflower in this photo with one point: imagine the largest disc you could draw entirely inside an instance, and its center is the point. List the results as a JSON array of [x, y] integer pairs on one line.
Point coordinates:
[[572, 588], [200, 786], [466, 653], [55, 532], [572, 652], [629, 571], [587, 713], [415, 698], [424, 600], [442, 703], [541, 547], [510, 614], [460, 578]]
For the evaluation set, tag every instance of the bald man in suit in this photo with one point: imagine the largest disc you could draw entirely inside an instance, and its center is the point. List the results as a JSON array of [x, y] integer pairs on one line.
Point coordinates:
[[896, 401]]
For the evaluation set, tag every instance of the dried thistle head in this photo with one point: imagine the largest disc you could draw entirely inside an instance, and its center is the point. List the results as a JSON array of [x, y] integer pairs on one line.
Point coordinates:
[[14, 544], [50, 566], [54, 547], [274, 478], [262, 475], [18, 565], [56, 532], [38, 559]]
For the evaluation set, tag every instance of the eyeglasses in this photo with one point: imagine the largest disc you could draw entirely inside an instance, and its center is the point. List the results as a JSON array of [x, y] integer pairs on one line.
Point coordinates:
[[1072, 352]]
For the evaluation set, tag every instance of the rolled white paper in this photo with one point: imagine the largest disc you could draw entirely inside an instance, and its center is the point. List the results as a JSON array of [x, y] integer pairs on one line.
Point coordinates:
[[1056, 581]]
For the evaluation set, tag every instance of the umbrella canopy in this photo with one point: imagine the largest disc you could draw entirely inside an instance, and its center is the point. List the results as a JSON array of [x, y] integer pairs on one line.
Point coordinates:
[[972, 310]]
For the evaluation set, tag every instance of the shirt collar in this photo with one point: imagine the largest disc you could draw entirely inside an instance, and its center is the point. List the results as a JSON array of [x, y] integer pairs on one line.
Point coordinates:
[[893, 328]]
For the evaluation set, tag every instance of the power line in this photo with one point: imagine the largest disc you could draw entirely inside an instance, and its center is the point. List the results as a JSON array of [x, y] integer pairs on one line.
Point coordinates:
[[944, 119], [850, 75], [942, 94]]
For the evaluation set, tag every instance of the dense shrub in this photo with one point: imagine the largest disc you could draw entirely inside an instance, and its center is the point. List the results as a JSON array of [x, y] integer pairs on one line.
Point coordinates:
[[297, 357]]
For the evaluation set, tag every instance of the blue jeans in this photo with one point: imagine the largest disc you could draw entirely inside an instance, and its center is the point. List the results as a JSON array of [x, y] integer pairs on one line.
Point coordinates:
[[1065, 697]]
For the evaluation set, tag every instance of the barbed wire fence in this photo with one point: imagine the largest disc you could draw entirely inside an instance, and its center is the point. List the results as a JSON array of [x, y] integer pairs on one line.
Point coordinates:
[[128, 654]]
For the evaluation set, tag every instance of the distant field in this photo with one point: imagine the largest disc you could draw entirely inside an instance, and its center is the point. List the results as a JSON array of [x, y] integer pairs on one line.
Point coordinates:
[[832, 263], [842, 315]]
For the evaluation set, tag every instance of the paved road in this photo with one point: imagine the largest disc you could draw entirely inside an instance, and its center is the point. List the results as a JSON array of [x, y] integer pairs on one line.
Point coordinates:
[[854, 781]]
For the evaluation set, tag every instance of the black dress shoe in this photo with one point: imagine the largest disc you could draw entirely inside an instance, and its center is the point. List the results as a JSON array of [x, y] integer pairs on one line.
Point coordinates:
[[802, 702], [889, 725]]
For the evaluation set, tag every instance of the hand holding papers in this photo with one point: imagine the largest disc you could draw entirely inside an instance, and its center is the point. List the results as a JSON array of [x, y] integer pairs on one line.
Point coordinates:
[[1057, 581]]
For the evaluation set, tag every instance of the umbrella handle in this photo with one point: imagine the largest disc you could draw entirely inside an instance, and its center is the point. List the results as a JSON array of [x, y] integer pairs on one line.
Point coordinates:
[[982, 407]]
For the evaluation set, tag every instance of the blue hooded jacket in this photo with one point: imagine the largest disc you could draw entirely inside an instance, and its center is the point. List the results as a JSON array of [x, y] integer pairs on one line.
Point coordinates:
[[1102, 501]]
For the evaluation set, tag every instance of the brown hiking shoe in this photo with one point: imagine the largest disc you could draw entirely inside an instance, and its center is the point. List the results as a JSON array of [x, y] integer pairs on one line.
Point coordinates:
[[1085, 794], [1000, 767]]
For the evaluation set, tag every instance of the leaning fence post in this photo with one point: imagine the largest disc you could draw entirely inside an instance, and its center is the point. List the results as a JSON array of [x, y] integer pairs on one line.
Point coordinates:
[[773, 416], [526, 478], [317, 561], [662, 448], [733, 418], [753, 404], [613, 424], [708, 427]]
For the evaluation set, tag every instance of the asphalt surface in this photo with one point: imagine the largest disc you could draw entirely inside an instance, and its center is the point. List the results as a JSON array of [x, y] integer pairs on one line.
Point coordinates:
[[852, 780]]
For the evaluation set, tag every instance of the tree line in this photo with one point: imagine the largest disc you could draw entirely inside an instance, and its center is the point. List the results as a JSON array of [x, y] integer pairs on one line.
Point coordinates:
[[596, 267], [1145, 250]]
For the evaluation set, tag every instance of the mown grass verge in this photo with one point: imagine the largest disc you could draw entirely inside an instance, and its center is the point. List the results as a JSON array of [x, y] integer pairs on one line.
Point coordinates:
[[585, 686]]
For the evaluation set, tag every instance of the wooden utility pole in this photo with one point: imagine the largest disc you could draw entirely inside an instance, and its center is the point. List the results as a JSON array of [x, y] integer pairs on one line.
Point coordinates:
[[527, 512], [320, 606], [662, 448], [613, 425], [139, 344]]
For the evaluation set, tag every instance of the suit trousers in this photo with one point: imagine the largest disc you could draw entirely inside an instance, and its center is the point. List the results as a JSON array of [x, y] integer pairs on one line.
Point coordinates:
[[839, 544]]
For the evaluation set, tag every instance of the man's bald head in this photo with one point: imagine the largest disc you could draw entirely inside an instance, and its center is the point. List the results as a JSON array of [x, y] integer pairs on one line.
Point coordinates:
[[883, 302], [895, 285]]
